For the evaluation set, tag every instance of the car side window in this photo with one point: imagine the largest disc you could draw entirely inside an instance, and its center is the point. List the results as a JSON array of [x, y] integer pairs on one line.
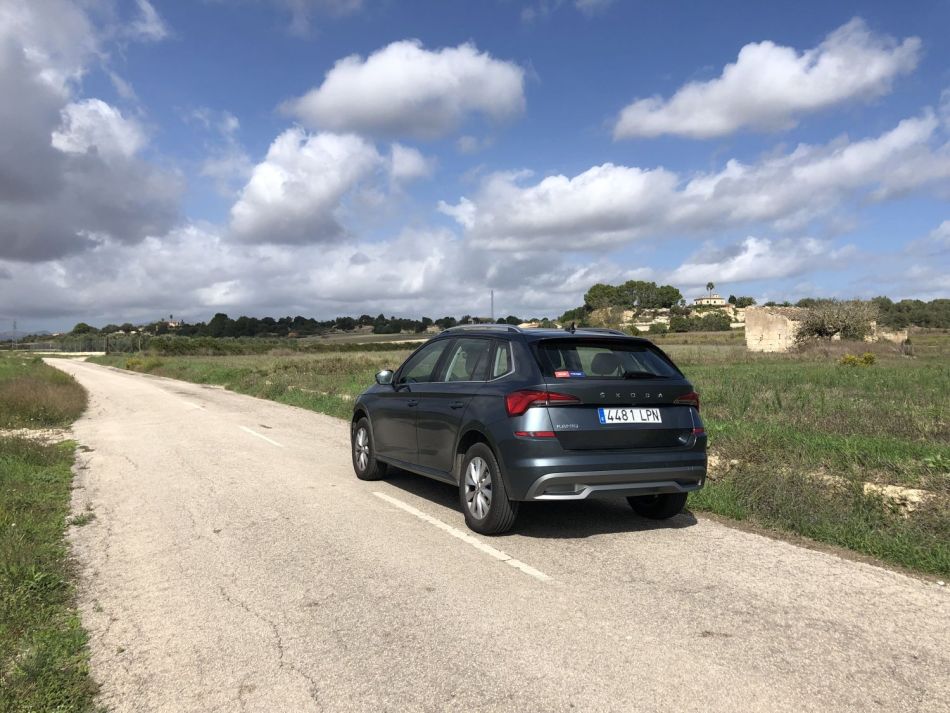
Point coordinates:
[[421, 366], [468, 360], [501, 364]]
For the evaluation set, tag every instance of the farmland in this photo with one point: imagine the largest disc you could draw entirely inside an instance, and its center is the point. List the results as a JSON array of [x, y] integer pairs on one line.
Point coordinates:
[[794, 439]]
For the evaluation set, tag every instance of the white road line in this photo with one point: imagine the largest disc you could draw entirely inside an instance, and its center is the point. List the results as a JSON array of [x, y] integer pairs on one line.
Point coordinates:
[[466, 537], [191, 405], [262, 436]]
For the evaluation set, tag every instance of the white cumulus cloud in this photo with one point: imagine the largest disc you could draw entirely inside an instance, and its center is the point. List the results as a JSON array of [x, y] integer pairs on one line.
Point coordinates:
[[759, 259], [407, 163], [611, 205], [71, 174], [295, 194], [93, 125], [769, 86], [404, 89]]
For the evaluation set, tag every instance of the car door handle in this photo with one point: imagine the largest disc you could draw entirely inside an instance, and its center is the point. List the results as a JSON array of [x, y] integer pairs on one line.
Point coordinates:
[[457, 404], [412, 402]]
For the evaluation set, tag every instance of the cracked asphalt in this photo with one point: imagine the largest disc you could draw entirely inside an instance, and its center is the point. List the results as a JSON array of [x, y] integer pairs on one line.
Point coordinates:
[[225, 571]]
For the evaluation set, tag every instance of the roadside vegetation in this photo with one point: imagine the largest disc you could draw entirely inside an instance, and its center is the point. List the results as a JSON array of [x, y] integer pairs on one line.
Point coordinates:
[[43, 654], [794, 438], [33, 395]]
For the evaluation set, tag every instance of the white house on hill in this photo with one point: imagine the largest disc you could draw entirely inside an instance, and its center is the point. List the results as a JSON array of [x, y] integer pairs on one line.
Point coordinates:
[[709, 301]]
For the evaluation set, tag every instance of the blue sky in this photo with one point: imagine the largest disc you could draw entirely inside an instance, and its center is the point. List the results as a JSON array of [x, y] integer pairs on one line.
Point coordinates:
[[327, 157]]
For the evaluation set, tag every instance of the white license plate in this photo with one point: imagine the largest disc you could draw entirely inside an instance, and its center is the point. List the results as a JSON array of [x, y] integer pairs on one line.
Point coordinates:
[[629, 415]]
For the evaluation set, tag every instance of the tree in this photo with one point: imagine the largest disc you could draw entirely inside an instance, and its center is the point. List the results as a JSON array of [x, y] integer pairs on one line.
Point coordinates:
[[667, 296], [218, 326], [601, 296], [83, 328], [710, 287], [636, 294], [732, 299], [744, 302], [127, 327], [828, 318], [578, 315]]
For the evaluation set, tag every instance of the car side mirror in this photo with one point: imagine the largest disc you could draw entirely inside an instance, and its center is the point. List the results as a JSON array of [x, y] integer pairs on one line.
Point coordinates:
[[385, 377]]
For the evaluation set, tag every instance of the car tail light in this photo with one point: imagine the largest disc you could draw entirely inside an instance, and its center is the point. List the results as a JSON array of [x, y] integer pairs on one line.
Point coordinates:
[[690, 399], [535, 434], [518, 402]]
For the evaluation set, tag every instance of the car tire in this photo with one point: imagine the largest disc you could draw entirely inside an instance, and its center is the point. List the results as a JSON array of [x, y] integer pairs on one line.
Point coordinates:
[[364, 452], [658, 507], [482, 493]]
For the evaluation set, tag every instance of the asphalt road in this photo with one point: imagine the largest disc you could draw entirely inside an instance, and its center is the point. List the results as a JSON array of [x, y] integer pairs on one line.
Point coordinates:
[[236, 563]]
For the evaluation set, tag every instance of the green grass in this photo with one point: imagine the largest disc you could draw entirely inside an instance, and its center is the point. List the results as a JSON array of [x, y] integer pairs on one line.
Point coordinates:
[[43, 654], [792, 423]]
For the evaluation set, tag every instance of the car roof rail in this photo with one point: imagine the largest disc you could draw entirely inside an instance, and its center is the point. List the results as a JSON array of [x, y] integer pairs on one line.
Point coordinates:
[[603, 330], [473, 327]]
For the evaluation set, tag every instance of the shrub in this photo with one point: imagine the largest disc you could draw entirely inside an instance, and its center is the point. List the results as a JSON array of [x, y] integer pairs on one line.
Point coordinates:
[[866, 359], [679, 324], [659, 329]]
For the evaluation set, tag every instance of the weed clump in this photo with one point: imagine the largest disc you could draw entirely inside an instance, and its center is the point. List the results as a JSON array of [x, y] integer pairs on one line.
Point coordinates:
[[865, 360]]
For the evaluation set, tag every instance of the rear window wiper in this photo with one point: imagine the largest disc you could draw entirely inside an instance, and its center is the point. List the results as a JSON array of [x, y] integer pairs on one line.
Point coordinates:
[[643, 375]]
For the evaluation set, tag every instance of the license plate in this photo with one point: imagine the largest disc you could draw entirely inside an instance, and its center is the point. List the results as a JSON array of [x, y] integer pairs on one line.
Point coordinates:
[[629, 415]]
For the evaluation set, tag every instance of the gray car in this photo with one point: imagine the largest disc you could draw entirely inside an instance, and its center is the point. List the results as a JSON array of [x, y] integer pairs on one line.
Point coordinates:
[[510, 415]]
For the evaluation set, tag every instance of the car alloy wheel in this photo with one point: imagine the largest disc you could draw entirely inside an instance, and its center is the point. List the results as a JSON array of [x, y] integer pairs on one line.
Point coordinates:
[[478, 488], [361, 449]]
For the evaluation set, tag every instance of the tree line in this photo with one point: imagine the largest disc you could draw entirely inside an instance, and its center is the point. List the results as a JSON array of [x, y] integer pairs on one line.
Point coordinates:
[[221, 325], [602, 303], [934, 314]]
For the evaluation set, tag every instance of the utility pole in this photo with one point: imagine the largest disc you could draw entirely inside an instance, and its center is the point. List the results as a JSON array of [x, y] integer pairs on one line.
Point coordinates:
[[14, 335], [492, 305]]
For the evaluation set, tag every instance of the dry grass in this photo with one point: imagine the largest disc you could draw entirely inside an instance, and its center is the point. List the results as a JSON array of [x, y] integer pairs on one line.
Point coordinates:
[[29, 401]]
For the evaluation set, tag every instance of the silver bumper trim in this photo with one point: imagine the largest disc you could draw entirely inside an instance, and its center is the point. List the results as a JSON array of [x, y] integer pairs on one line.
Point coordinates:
[[637, 481]]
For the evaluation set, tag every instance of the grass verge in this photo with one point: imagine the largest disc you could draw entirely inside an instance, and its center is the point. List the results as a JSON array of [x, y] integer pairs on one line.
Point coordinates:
[[804, 432], [33, 395], [43, 653]]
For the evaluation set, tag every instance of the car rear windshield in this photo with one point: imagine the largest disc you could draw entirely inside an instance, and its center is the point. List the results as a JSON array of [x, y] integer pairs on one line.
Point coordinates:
[[603, 359]]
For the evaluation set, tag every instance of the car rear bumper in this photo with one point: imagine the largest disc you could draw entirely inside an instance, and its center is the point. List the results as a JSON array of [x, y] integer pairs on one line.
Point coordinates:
[[637, 481], [564, 475]]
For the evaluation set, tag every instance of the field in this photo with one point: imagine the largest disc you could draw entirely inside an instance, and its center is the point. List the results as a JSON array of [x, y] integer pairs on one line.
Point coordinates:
[[794, 439], [43, 657]]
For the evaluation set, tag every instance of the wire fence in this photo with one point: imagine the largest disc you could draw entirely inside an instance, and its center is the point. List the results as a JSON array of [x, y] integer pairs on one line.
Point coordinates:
[[113, 343]]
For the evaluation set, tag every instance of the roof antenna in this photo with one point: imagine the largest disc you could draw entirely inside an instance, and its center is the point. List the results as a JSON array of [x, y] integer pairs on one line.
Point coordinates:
[[572, 328]]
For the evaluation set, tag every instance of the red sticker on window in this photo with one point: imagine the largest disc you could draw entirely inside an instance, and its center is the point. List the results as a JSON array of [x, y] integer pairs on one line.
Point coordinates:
[[562, 374]]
